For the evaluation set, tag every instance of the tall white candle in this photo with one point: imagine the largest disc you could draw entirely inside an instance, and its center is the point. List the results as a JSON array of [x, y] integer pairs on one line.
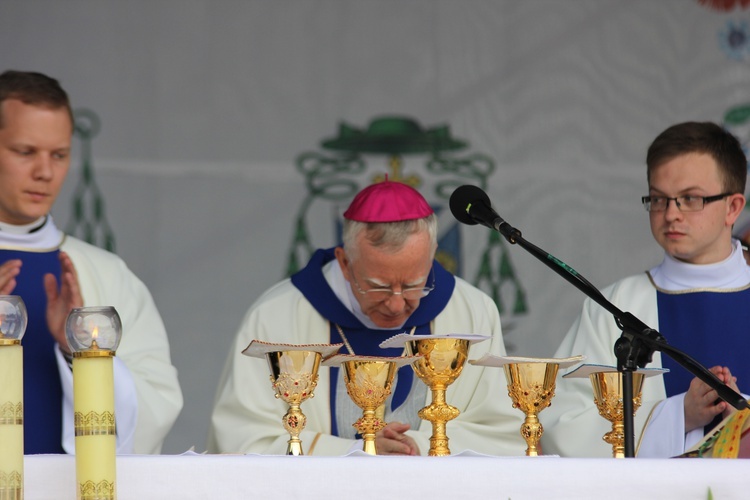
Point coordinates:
[[13, 318], [96, 440], [11, 419], [93, 334]]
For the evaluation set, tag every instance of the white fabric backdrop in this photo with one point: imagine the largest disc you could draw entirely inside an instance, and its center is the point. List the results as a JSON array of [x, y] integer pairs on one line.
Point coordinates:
[[206, 104]]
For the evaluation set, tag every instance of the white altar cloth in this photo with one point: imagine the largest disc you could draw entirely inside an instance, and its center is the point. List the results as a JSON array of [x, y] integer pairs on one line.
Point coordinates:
[[226, 477]]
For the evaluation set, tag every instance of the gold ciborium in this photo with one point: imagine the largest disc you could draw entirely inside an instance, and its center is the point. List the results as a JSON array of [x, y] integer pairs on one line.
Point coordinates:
[[608, 397], [368, 382], [442, 361], [531, 387], [294, 375]]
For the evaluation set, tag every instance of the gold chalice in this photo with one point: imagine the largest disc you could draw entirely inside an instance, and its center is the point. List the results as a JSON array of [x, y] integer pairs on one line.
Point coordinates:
[[442, 361], [608, 396], [368, 382], [531, 387], [294, 375]]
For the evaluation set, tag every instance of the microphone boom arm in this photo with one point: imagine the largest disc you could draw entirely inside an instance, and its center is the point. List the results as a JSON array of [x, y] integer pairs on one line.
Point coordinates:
[[632, 327]]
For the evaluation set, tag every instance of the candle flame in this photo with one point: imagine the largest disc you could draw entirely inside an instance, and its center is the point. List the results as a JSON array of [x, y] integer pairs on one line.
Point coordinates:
[[95, 333]]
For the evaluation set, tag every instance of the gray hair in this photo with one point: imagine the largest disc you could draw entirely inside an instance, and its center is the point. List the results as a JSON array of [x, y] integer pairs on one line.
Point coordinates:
[[388, 236]]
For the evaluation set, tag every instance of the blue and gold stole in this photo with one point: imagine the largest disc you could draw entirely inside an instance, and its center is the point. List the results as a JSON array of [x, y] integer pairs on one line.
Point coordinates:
[[42, 390], [713, 327]]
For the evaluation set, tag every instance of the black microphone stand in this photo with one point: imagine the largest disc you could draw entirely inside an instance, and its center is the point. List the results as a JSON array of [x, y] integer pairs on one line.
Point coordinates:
[[635, 347]]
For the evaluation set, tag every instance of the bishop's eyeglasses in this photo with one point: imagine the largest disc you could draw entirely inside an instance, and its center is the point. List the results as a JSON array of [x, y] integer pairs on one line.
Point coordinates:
[[383, 294], [684, 203]]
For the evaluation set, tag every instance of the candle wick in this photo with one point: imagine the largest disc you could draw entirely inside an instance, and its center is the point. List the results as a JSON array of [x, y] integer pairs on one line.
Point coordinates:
[[94, 345]]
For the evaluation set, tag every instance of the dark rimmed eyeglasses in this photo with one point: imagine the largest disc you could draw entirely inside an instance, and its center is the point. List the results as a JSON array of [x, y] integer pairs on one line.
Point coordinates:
[[684, 203], [382, 294]]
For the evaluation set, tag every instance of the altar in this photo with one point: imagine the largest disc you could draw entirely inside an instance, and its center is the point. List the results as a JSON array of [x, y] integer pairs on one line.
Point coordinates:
[[359, 476]]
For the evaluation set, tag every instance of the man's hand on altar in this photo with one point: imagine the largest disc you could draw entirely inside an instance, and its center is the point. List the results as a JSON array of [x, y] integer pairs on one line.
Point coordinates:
[[8, 272], [61, 301], [391, 440], [702, 403]]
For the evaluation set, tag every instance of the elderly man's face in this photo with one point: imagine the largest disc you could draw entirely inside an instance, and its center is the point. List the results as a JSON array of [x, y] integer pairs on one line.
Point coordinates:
[[374, 268]]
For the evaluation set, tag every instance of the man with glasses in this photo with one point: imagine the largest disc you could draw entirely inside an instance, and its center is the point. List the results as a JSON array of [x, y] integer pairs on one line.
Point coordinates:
[[698, 298], [383, 281]]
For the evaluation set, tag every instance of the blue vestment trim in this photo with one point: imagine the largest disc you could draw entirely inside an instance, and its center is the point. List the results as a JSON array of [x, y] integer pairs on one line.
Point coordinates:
[[711, 327], [42, 389], [364, 341]]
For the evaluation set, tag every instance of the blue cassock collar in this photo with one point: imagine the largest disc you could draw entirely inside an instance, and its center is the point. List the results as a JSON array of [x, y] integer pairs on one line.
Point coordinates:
[[313, 285]]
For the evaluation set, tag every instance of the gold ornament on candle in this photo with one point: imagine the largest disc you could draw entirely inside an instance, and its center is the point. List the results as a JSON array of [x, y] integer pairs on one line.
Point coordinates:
[[294, 376], [13, 319], [93, 334], [368, 383]]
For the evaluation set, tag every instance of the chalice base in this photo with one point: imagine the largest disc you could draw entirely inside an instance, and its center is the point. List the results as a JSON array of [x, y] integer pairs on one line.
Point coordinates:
[[294, 447]]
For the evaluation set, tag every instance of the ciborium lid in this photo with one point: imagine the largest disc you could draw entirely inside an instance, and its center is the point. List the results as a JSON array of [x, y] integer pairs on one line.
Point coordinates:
[[259, 348], [500, 361], [402, 338], [399, 361], [585, 370]]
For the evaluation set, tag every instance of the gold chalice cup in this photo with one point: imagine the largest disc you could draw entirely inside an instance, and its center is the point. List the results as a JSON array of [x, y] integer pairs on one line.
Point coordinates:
[[442, 361], [294, 375], [608, 396], [531, 387], [368, 382]]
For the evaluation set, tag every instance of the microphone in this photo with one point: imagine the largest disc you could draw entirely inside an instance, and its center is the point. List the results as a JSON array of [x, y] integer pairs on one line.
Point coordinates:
[[470, 205]]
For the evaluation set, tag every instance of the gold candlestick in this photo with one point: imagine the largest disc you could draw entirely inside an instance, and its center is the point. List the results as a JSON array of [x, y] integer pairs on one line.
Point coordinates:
[[442, 361], [294, 376], [13, 319], [93, 334], [531, 387], [368, 382], [608, 396]]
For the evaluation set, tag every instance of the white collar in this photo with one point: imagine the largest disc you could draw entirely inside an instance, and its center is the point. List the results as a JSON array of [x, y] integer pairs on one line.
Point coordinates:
[[675, 275], [47, 237]]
